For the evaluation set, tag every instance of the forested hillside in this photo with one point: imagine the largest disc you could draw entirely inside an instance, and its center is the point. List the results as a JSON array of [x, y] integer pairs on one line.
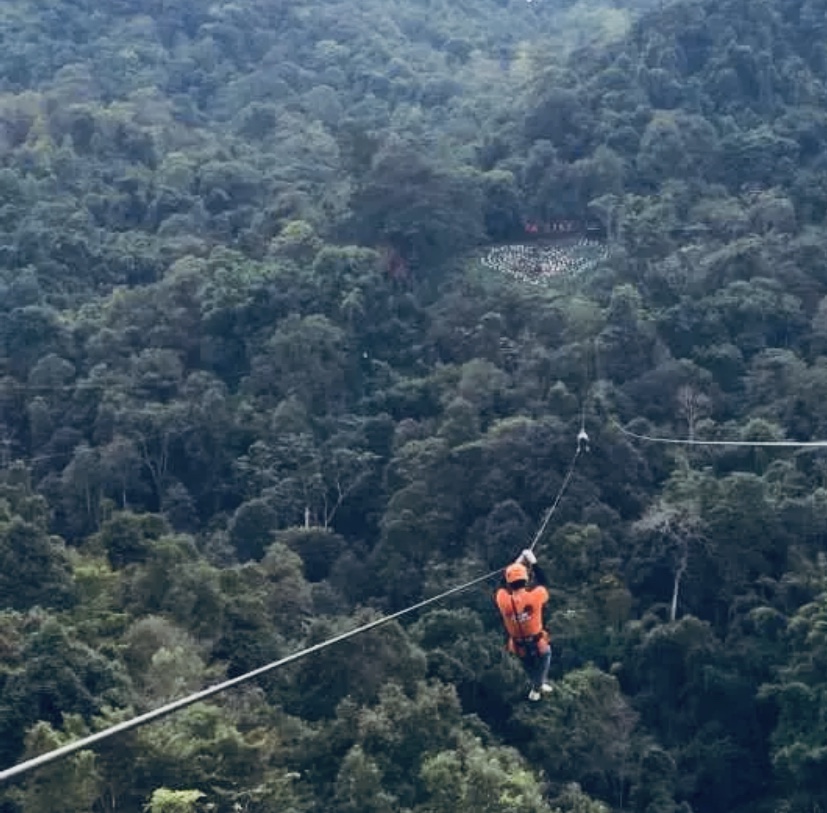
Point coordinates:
[[256, 388]]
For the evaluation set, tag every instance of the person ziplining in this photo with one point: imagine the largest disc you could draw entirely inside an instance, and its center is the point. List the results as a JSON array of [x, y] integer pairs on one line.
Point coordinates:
[[523, 596], [521, 600]]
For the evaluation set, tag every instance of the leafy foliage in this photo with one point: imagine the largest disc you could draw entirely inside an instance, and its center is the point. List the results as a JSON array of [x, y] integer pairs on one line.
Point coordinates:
[[256, 387]]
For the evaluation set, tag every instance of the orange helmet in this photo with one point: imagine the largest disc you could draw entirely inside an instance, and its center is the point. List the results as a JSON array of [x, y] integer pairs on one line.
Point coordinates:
[[516, 573]]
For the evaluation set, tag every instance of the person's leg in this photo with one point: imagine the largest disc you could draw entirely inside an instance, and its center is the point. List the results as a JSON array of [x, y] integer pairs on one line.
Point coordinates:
[[529, 662], [542, 671], [536, 667]]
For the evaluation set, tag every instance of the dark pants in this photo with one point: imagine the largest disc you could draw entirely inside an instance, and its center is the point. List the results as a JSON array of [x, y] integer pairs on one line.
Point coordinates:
[[536, 667]]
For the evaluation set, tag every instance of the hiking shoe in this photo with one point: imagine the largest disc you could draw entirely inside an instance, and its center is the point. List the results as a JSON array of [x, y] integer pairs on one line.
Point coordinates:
[[534, 695], [547, 688]]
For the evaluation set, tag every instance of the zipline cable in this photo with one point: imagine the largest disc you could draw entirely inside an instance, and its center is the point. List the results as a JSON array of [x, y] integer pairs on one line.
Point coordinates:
[[169, 708], [544, 524], [582, 443], [792, 444]]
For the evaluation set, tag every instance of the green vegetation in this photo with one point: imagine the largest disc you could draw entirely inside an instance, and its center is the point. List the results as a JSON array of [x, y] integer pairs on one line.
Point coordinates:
[[252, 393]]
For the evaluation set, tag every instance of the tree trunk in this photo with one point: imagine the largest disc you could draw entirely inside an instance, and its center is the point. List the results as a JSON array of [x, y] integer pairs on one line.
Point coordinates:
[[676, 585]]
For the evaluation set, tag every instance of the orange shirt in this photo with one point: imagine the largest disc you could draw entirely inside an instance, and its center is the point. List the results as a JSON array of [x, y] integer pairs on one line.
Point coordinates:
[[522, 610]]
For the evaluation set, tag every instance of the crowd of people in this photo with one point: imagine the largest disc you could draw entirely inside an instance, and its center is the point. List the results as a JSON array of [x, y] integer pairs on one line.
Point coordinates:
[[536, 263]]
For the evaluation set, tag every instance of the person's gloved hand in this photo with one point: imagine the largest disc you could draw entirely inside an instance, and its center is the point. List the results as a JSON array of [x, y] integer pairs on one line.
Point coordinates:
[[527, 557]]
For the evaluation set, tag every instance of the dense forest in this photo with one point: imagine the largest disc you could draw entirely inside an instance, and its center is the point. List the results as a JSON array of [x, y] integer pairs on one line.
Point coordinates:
[[257, 387]]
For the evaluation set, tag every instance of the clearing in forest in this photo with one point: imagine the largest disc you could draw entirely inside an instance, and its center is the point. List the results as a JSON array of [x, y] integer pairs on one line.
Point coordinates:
[[539, 263]]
